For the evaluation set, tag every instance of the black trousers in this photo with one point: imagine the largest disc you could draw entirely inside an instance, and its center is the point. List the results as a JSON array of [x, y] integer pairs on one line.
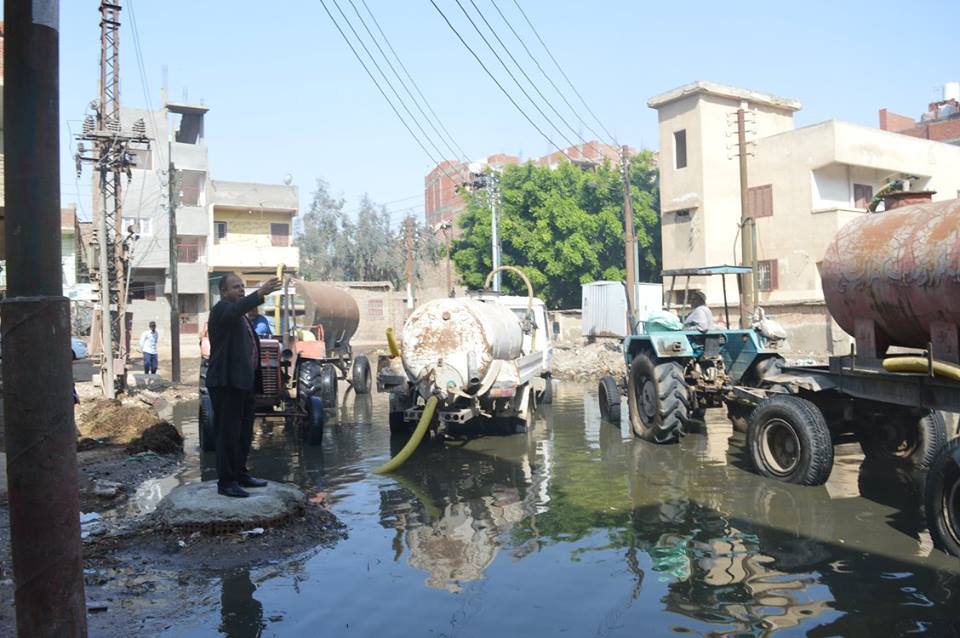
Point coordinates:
[[233, 411]]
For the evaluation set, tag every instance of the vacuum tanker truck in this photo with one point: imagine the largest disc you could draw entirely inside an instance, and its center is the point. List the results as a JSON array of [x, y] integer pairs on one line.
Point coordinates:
[[483, 355]]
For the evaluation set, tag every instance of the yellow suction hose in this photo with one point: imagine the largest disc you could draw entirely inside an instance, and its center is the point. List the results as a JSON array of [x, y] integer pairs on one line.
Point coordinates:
[[414, 441], [920, 364], [392, 343]]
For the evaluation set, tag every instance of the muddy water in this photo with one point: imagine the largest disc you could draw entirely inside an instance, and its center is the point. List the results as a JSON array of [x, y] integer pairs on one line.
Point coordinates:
[[575, 528]]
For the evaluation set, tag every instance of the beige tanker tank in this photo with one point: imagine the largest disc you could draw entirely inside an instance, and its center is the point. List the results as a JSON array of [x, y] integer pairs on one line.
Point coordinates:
[[334, 309]]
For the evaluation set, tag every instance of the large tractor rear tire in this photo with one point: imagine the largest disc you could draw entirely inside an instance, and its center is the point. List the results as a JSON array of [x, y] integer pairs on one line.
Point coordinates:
[[788, 440], [905, 438], [206, 425], [942, 498], [659, 400], [308, 384]]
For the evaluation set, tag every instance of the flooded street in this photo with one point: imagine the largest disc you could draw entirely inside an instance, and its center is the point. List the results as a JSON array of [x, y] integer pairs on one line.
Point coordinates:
[[576, 528]]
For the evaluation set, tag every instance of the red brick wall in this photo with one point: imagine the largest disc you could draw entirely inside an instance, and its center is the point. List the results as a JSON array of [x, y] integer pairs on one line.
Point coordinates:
[[895, 122]]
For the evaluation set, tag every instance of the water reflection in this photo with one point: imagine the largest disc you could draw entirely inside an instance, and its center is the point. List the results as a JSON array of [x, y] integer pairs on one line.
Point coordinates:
[[241, 615]]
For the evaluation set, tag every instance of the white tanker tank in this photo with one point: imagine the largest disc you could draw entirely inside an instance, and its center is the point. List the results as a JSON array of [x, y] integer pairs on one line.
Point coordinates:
[[483, 355]]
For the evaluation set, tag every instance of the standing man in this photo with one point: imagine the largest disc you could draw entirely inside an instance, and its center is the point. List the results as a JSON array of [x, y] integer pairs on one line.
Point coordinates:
[[231, 379], [148, 346]]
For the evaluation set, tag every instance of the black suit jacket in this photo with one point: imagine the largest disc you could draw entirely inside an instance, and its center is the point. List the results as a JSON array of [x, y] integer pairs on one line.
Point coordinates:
[[230, 344]]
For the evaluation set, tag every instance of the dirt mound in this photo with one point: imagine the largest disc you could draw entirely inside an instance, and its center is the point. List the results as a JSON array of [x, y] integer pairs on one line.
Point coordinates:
[[112, 423], [588, 361]]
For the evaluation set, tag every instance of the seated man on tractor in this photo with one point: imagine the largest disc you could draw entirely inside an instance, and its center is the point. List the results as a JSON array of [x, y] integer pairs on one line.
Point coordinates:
[[261, 327], [700, 318]]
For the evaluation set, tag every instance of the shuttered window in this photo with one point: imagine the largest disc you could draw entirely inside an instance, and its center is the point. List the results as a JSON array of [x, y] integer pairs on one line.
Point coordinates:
[[760, 201], [862, 195]]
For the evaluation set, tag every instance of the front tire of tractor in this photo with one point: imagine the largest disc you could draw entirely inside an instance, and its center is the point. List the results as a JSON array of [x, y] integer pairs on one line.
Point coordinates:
[[942, 498], [788, 440], [659, 400], [360, 374], [609, 397], [905, 438], [206, 425]]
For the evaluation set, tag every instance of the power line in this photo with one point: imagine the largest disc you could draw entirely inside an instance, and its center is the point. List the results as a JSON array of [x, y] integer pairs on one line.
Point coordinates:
[[512, 76], [559, 68], [545, 74], [402, 83], [415, 86], [523, 71], [493, 77]]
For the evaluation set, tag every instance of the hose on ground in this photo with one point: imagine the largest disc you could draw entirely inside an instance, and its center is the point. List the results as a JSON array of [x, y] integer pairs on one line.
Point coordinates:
[[392, 343], [414, 441], [921, 364]]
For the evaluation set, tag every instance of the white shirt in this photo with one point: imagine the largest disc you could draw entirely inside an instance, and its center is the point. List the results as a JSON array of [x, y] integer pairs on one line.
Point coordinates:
[[148, 341], [700, 318]]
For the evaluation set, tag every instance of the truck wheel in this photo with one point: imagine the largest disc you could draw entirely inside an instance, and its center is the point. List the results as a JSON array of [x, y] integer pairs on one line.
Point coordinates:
[[905, 438], [328, 386], [789, 441], [360, 374], [308, 384], [739, 415], [942, 498], [546, 397], [206, 425], [314, 421], [659, 400], [609, 396]]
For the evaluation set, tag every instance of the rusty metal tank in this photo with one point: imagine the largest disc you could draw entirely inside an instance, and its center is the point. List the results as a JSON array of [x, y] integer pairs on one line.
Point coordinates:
[[894, 277], [458, 341], [335, 309]]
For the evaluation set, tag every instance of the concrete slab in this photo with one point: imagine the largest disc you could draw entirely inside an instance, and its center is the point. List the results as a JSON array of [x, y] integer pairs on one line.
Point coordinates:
[[197, 506]]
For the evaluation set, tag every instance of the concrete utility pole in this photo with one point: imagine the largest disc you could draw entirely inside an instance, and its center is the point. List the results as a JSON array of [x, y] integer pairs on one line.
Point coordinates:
[[112, 159], [495, 226], [748, 227], [41, 438], [173, 179], [630, 239], [408, 241]]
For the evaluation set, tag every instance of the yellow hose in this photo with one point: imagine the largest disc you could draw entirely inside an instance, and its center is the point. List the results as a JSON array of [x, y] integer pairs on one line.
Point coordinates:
[[920, 364], [414, 441], [392, 343]]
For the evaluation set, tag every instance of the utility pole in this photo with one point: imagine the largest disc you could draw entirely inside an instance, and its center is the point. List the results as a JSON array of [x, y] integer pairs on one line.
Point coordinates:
[[748, 227], [111, 159], [630, 240], [41, 441], [446, 237], [408, 241], [495, 226], [173, 179]]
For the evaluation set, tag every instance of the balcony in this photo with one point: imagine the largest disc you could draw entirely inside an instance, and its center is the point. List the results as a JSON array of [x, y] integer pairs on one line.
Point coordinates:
[[191, 279], [189, 157], [193, 220], [243, 256]]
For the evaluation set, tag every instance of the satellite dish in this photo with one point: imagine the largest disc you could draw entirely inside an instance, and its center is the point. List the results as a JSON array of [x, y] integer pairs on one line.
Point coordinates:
[[287, 179]]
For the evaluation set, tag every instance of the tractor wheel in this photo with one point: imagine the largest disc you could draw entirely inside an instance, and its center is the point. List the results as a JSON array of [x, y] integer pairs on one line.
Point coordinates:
[[659, 400], [905, 438], [308, 384], [546, 397], [360, 374], [609, 396], [942, 498], [328, 386], [314, 421], [789, 441], [206, 425]]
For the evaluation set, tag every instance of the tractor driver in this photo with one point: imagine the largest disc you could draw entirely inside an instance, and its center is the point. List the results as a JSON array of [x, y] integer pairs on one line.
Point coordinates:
[[260, 324], [700, 318]]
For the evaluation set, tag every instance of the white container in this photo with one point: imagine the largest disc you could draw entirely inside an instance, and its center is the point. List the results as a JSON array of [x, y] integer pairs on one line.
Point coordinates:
[[604, 307], [951, 91]]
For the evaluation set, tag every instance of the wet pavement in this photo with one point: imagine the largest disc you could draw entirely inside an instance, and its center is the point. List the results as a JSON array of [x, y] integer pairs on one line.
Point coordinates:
[[576, 528]]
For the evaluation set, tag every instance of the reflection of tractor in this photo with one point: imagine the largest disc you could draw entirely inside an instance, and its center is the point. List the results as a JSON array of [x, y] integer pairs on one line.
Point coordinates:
[[675, 374], [302, 363]]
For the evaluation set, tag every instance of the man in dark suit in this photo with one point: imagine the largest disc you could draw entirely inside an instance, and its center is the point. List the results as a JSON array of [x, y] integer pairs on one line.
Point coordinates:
[[231, 379]]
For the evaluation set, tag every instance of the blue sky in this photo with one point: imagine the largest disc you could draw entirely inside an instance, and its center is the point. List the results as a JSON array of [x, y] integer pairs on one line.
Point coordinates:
[[286, 95]]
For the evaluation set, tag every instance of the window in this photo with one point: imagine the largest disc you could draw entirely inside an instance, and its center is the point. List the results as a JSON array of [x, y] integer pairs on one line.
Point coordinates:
[[280, 234], [862, 195], [680, 149], [190, 249], [767, 275], [219, 231], [760, 201], [140, 225], [375, 308], [192, 185], [146, 290]]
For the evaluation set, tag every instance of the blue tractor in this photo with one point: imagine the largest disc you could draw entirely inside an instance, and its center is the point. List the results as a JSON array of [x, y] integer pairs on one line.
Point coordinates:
[[675, 372]]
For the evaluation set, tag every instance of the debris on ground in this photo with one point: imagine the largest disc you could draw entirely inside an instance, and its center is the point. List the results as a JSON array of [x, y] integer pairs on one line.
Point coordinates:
[[583, 361], [110, 422]]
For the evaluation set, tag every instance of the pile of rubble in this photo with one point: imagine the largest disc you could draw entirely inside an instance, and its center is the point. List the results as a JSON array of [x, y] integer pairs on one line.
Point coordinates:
[[110, 422], [584, 361]]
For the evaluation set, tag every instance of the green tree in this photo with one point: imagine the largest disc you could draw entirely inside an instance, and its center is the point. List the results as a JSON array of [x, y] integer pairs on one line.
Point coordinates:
[[318, 236], [563, 227]]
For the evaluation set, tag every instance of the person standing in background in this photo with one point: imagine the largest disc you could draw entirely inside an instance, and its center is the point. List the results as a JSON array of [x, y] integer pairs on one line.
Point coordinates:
[[148, 346]]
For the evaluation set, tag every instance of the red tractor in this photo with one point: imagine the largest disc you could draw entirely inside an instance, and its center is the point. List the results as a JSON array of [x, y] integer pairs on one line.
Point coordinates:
[[301, 366]]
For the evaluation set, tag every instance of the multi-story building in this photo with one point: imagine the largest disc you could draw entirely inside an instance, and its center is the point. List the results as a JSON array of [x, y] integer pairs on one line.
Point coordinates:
[[804, 184], [940, 123], [251, 231]]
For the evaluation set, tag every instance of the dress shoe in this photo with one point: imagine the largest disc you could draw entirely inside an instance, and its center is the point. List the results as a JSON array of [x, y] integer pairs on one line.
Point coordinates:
[[233, 490], [248, 481]]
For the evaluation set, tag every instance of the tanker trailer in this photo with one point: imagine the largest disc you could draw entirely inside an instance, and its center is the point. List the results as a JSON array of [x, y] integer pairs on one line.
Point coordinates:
[[892, 281], [482, 355]]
